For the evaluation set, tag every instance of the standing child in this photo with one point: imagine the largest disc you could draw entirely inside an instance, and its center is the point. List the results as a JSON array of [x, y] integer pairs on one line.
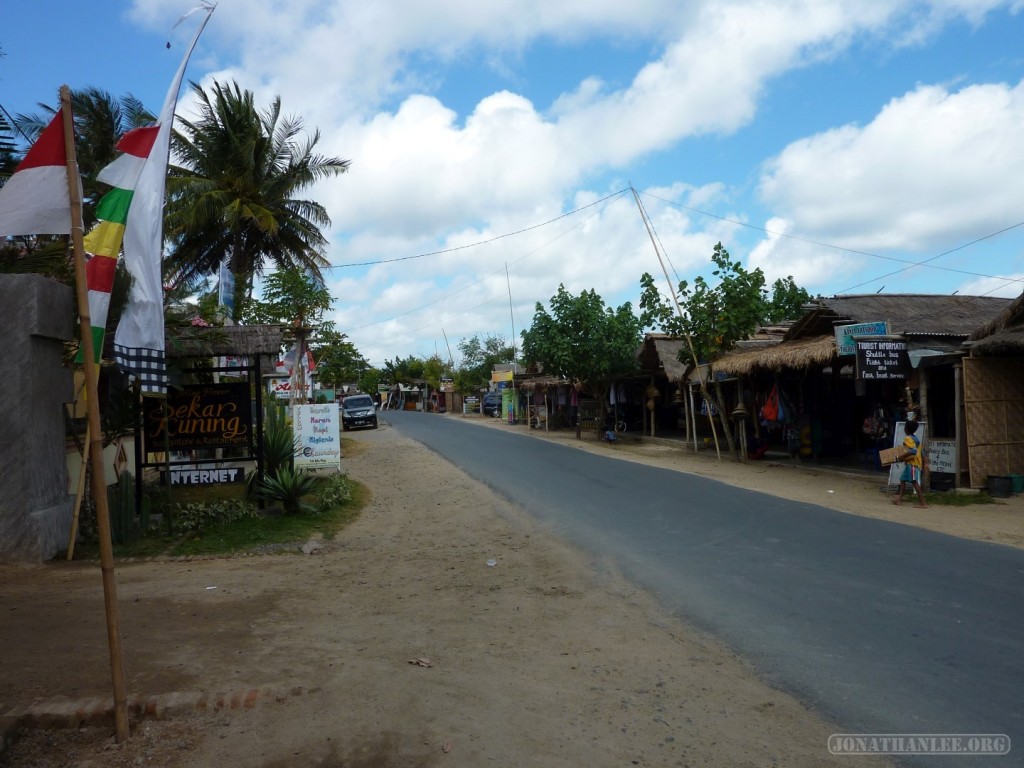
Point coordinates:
[[912, 465]]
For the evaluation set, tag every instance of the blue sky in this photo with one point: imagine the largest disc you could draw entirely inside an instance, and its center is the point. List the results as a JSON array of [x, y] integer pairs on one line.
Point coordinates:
[[874, 134]]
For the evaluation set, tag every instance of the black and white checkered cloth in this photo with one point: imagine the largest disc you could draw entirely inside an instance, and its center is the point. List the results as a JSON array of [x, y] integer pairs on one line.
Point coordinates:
[[147, 365]]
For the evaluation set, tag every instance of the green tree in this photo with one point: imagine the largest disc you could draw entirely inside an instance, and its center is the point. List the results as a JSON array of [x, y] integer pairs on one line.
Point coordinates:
[[787, 300], [584, 340], [338, 362], [478, 358], [715, 316], [297, 300], [433, 369], [403, 371], [234, 190]]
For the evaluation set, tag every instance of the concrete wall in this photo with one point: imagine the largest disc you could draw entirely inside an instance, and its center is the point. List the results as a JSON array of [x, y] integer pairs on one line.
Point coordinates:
[[36, 316]]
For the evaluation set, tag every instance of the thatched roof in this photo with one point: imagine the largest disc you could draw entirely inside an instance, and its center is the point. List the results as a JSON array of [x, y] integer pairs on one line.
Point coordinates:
[[542, 382], [1008, 342], [907, 314], [1009, 318], [799, 353], [246, 340], [660, 353]]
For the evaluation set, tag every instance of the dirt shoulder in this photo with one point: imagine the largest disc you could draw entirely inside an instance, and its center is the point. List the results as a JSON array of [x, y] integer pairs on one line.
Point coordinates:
[[403, 645]]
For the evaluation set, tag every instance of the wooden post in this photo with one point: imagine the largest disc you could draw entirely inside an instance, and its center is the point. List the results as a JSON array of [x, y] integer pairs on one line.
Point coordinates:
[[99, 483], [961, 438], [689, 341]]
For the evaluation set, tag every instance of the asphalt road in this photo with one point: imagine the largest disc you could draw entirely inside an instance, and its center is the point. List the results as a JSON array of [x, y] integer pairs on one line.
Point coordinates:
[[882, 627]]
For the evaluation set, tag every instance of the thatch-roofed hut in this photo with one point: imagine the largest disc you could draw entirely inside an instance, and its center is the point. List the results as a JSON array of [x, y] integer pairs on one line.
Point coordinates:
[[242, 340], [659, 353], [816, 351], [1003, 335], [993, 393]]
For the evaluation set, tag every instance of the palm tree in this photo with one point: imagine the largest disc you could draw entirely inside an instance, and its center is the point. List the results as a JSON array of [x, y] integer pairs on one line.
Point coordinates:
[[233, 193]]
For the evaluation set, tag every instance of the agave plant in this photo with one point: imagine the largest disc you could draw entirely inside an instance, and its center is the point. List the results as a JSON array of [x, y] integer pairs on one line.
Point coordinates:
[[279, 444], [287, 487]]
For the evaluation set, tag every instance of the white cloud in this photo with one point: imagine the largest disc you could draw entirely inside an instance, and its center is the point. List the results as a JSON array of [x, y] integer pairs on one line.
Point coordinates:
[[1008, 287], [428, 174], [811, 266], [917, 178]]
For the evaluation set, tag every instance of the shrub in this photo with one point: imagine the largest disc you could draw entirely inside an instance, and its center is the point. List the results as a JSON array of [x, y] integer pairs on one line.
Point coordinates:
[[288, 487], [334, 491], [200, 515]]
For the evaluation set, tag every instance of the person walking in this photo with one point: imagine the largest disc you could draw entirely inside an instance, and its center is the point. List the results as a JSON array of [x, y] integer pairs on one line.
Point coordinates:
[[912, 466]]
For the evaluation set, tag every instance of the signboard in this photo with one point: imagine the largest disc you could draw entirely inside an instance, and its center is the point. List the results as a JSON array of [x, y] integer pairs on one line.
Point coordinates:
[[205, 476], [883, 359], [199, 416], [497, 376], [281, 388], [317, 437], [895, 470], [845, 334], [942, 456]]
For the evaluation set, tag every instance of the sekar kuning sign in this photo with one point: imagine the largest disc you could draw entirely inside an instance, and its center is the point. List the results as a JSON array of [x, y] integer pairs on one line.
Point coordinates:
[[199, 416]]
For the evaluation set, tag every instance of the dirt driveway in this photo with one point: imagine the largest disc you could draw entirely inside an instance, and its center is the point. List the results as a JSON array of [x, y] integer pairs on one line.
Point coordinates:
[[443, 628]]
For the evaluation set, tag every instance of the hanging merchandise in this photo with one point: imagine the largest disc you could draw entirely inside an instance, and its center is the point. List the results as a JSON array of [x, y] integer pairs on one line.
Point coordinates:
[[772, 409]]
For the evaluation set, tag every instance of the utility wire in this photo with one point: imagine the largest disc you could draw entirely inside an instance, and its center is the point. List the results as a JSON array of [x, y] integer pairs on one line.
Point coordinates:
[[852, 250], [480, 242], [608, 200], [946, 253]]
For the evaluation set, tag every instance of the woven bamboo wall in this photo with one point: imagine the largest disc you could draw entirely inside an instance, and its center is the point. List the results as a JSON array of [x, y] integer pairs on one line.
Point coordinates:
[[994, 405]]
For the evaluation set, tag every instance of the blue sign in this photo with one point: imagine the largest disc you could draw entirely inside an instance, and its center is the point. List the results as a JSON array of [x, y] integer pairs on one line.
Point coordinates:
[[845, 334]]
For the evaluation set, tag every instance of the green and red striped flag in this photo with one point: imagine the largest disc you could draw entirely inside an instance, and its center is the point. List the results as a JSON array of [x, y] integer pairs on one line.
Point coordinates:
[[103, 243]]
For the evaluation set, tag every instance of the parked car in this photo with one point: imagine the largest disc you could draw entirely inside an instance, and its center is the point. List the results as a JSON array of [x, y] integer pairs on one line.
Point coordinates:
[[358, 411], [491, 404]]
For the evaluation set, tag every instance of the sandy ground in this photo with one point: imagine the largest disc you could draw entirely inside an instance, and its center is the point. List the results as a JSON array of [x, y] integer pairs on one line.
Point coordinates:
[[542, 659]]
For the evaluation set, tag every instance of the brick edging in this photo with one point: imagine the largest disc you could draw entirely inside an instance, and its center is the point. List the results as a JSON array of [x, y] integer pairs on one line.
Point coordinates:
[[64, 713]]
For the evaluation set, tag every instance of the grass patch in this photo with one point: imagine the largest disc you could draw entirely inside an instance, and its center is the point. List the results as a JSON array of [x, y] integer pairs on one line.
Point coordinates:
[[351, 448], [951, 499], [267, 530]]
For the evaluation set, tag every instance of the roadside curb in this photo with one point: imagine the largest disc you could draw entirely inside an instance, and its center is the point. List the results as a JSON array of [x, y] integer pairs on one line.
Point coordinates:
[[65, 713]]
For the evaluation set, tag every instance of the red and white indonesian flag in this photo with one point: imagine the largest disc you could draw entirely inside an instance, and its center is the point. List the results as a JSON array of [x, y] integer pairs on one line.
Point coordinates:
[[35, 200]]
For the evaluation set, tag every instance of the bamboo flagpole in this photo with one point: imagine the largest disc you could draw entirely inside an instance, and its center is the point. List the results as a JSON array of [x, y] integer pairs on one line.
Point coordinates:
[[95, 444]]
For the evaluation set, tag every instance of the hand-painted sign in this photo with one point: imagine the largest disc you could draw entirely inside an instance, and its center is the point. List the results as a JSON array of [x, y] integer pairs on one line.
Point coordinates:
[[845, 334], [199, 416], [883, 359], [317, 436], [941, 456]]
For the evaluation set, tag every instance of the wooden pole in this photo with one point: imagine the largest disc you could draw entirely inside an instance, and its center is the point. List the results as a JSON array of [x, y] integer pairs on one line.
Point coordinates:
[[679, 309], [99, 483]]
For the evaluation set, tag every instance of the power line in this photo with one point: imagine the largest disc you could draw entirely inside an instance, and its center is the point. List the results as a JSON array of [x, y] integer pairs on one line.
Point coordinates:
[[479, 242], [608, 200], [946, 253], [852, 250]]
